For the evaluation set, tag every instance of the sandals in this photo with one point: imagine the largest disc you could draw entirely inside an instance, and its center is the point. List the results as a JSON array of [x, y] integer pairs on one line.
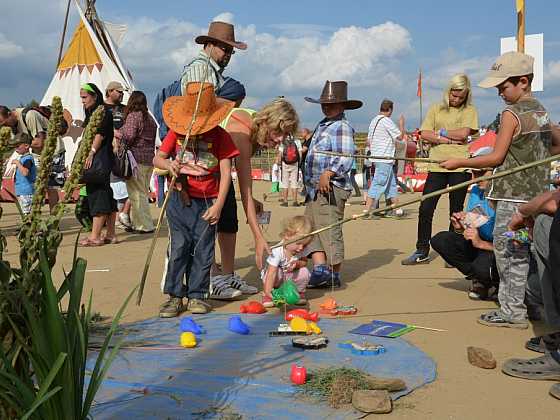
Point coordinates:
[[90, 243], [544, 368], [110, 241]]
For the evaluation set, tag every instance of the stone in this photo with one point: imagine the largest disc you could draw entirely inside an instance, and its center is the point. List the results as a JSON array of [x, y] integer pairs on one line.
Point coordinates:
[[372, 401], [389, 384], [481, 358]]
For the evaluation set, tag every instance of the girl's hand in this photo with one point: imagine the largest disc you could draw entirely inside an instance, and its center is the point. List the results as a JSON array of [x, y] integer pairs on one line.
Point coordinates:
[[451, 164], [89, 160], [212, 215], [173, 166]]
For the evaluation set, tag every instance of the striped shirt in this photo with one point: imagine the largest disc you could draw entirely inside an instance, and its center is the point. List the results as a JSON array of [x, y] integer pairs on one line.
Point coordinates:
[[194, 72], [335, 135], [382, 135]]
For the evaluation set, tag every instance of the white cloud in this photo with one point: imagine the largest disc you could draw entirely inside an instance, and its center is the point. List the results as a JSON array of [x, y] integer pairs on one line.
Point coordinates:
[[224, 17], [9, 49], [552, 72]]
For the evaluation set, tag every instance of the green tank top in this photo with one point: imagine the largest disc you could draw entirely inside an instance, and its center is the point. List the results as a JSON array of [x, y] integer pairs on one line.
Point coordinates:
[[530, 144]]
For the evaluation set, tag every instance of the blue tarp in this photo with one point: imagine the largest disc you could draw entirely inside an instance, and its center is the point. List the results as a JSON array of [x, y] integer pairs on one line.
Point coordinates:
[[231, 373]]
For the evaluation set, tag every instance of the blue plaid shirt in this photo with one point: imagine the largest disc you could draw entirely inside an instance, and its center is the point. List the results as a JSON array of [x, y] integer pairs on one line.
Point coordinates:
[[334, 135]]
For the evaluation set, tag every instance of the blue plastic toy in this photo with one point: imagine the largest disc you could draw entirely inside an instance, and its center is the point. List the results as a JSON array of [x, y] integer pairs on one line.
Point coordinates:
[[365, 349], [236, 325], [189, 325]]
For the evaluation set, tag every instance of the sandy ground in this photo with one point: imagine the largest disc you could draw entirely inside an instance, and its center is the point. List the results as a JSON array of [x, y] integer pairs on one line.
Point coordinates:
[[374, 280]]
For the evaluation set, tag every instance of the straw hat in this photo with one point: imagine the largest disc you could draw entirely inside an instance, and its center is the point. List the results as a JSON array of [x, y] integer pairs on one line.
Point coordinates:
[[178, 110], [336, 93], [221, 32]]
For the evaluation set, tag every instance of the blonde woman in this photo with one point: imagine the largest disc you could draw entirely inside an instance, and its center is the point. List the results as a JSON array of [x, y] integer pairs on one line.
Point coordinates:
[[249, 131], [446, 128]]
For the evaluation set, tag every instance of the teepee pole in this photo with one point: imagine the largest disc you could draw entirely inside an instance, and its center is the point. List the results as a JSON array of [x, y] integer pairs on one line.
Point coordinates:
[[425, 197], [63, 34]]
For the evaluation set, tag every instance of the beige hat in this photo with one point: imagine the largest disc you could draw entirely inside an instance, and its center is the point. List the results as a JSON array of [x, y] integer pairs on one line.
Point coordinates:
[[115, 86], [508, 65]]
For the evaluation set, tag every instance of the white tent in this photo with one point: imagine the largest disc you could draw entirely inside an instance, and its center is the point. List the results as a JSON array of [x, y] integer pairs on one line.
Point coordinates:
[[91, 56]]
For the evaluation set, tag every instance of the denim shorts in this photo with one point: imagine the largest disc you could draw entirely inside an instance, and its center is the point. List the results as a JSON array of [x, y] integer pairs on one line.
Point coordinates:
[[383, 182]]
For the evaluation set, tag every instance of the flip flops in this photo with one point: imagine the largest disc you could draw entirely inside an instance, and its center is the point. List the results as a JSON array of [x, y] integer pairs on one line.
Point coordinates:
[[90, 243], [544, 368]]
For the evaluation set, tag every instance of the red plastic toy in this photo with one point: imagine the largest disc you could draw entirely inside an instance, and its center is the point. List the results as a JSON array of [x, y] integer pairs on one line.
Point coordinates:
[[298, 375], [302, 313], [252, 307]]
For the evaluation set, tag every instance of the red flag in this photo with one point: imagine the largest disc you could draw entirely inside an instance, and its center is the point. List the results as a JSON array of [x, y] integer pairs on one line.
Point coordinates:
[[419, 91]]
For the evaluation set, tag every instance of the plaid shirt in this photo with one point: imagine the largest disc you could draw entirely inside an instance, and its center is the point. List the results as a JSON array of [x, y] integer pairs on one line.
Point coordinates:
[[335, 135]]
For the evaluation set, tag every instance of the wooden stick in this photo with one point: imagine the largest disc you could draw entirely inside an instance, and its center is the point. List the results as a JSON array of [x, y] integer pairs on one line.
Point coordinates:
[[418, 327], [357, 155], [425, 197], [170, 189]]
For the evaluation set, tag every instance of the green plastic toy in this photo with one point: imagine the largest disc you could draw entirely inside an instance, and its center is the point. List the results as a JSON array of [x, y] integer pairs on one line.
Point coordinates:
[[285, 294]]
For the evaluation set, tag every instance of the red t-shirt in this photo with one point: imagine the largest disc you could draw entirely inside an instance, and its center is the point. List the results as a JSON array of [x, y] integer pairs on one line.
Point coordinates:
[[201, 161]]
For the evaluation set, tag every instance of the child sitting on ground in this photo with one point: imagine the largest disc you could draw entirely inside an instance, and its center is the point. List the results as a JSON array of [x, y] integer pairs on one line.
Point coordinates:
[[26, 172], [288, 261]]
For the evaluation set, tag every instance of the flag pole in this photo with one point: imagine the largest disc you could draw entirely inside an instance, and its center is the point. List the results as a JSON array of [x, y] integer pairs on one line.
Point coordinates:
[[520, 25], [420, 92]]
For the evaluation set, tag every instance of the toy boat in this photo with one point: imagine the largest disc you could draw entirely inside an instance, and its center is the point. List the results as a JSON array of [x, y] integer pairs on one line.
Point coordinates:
[[364, 349], [310, 343]]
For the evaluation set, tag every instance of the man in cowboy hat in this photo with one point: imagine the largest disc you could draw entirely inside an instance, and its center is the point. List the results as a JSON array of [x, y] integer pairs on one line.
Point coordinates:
[[206, 165], [327, 182], [219, 45]]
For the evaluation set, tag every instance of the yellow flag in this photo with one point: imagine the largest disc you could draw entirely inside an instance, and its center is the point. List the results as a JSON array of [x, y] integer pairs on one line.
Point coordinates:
[[520, 5]]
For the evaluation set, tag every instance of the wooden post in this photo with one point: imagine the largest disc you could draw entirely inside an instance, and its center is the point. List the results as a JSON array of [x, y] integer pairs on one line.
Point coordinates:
[[520, 26], [63, 35]]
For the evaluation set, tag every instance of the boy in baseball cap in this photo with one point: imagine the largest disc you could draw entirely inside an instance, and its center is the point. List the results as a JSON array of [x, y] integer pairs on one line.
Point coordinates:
[[524, 136]]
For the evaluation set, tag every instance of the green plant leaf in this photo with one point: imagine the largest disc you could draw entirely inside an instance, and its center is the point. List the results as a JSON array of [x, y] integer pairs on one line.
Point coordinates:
[[40, 402]]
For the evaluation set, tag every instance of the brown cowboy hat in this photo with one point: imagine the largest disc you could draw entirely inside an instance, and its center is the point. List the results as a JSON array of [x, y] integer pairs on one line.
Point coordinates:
[[336, 93], [178, 110], [221, 32]]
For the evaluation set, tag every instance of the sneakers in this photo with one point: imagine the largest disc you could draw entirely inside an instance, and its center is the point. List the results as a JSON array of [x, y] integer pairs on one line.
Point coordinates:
[[417, 257], [283, 204], [198, 306], [220, 288], [236, 282], [124, 220], [267, 302], [320, 275], [171, 308], [496, 319]]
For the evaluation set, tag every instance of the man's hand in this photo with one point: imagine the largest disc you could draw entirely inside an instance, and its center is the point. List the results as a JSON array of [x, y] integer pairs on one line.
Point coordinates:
[[471, 234], [89, 160], [517, 222], [325, 181], [457, 220], [451, 164], [261, 246], [212, 215]]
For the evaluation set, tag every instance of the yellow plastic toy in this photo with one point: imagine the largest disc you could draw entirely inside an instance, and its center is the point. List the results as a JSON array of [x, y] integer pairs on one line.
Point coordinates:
[[298, 324], [188, 340]]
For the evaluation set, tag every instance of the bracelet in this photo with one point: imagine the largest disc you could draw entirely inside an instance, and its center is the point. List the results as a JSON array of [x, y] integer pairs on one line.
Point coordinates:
[[93, 150]]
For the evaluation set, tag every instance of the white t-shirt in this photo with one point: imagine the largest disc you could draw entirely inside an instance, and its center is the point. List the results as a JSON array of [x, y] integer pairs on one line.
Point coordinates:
[[278, 259], [381, 139]]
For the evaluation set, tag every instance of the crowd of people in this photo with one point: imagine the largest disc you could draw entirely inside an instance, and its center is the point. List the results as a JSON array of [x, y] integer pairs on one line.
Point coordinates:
[[484, 241]]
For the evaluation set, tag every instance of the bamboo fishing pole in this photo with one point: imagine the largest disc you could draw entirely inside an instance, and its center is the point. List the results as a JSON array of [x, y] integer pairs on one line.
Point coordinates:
[[425, 197], [357, 155], [171, 186]]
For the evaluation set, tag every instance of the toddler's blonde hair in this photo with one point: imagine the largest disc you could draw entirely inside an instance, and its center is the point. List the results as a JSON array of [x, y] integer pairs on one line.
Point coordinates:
[[296, 226]]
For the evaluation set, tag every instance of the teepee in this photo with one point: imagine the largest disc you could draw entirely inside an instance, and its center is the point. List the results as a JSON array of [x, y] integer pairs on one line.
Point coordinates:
[[91, 56]]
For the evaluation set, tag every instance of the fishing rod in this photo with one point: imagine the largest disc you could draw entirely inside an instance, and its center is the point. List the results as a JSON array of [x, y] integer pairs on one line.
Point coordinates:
[[425, 197]]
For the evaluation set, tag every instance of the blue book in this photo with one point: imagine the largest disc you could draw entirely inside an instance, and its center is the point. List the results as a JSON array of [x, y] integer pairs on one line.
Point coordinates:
[[379, 328]]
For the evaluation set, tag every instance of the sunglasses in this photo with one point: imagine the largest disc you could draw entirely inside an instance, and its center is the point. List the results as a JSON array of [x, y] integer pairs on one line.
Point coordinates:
[[226, 50]]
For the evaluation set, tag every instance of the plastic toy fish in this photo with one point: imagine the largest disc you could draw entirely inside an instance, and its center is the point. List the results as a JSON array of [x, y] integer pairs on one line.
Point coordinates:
[[302, 313], [189, 325], [236, 325], [286, 293], [298, 324], [188, 340], [330, 307], [252, 307]]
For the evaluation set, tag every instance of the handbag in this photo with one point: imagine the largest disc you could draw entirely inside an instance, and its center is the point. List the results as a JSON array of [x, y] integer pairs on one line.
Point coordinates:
[[100, 170], [121, 163]]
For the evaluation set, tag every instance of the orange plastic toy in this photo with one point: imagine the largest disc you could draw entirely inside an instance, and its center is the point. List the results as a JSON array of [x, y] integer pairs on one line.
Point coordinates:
[[252, 307]]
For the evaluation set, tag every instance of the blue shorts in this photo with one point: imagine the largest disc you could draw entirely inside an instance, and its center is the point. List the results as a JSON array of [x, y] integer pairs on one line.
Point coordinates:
[[383, 182]]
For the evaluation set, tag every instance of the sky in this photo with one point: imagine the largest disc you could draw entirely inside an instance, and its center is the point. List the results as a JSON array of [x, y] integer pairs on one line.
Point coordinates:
[[294, 46]]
